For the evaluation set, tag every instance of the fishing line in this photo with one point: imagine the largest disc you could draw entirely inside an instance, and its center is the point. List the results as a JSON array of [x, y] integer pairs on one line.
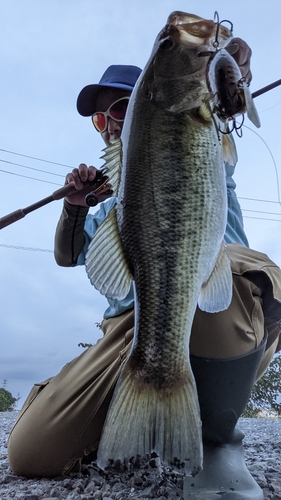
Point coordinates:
[[274, 162], [268, 109]]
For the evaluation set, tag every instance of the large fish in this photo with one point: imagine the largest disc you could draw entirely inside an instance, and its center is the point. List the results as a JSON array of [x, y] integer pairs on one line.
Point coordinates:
[[167, 233]]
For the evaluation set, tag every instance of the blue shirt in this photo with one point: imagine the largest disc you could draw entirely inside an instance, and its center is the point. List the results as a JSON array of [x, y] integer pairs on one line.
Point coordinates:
[[234, 233], [92, 223]]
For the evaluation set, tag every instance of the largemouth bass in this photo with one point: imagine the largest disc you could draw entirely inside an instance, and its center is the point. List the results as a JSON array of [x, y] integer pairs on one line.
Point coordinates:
[[167, 234]]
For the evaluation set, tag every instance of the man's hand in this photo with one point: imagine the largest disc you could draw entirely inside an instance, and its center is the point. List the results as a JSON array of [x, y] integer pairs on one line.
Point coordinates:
[[242, 56], [80, 178]]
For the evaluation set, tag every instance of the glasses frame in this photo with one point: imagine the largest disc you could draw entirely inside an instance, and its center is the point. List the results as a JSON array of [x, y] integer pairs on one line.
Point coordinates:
[[107, 114]]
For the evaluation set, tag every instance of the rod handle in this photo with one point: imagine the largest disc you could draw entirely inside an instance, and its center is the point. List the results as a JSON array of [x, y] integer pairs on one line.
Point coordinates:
[[10, 218], [63, 192]]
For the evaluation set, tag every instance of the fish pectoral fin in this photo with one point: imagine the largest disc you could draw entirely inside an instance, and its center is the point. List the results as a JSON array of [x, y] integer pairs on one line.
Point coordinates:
[[113, 164], [205, 111], [216, 293], [105, 262]]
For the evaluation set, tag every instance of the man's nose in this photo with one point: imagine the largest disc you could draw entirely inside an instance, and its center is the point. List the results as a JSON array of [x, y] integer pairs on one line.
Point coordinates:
[[113, 127]]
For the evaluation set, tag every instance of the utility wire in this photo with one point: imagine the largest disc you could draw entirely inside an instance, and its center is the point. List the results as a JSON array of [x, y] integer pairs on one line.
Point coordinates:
[[68, 166], [256, 199], [42, 180], [31, 168], [18, 247], [260, 211], [33, 249], [27, 177], [244, 210], [35, 158], [261, 218]]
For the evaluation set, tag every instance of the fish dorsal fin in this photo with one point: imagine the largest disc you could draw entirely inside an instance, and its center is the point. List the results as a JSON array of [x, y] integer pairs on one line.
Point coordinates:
[[113, 163], [105, 262], [250, 106], [229, 150], [216, 293]]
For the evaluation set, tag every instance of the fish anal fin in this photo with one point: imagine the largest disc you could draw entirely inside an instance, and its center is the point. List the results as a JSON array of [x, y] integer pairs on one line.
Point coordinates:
[[216, 293], [229, 150], [105, 262]]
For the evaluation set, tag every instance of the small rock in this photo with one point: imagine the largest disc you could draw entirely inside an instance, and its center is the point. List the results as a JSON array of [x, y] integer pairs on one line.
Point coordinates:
[[54, 493], [97, 495], [26, 496]]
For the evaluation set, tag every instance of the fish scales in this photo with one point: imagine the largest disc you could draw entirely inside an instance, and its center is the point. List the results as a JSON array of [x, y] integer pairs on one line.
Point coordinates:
[[171, 217], [174, 233]]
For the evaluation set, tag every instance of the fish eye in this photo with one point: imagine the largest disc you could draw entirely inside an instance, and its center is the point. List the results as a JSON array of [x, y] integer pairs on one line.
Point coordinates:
[[166, 43]]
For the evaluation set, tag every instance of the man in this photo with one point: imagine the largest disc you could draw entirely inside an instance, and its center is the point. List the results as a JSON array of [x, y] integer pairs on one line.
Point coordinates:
[[62, 419]]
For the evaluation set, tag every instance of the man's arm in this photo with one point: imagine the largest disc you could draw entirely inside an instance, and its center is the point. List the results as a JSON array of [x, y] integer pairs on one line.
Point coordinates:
[[69, 236]]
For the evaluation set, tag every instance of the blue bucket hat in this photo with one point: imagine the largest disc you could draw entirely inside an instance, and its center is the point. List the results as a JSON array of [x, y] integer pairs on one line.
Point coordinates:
[[116, 76]]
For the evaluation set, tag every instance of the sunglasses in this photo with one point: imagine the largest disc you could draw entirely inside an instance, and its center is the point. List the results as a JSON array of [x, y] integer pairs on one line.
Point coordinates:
[[116, 111]]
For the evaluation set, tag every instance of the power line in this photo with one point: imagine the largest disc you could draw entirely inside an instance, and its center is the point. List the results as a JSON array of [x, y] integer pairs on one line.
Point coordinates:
[[260, 212], [35, 158], [27, 177], [244, 210], [261, 218], [34, 249], [68, 166], [18, 247], [56, 184], [31, 168], [256, 199]]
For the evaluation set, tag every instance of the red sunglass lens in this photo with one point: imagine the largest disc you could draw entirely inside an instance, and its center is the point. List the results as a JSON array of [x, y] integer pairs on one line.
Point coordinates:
[[99, 121]]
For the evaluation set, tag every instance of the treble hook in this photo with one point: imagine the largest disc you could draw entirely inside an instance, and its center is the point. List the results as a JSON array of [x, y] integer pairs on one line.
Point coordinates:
[[219, 23], [238, 128]]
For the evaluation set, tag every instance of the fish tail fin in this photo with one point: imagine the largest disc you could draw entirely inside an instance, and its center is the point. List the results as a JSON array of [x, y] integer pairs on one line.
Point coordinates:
[[142, 419]]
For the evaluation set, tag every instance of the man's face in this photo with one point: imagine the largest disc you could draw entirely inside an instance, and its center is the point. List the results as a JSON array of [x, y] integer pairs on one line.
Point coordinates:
[[105, 99]]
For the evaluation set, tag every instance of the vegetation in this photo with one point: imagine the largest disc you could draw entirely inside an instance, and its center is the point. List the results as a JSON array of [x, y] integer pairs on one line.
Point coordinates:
[[266, 392], [7, 401], [85, 346]]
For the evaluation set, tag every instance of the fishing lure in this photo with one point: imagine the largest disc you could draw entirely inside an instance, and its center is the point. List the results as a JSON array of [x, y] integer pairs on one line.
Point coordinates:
[[231, 94], [230, 91]]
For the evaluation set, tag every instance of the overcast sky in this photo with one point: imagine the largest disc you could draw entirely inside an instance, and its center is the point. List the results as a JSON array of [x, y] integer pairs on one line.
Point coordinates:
[[51, 49]]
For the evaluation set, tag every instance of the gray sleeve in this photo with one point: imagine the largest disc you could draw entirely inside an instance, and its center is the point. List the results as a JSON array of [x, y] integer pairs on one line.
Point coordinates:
[[69, 235]]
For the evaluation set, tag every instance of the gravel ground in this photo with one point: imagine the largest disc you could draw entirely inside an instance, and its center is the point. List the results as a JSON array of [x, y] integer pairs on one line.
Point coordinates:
[[147, 480]]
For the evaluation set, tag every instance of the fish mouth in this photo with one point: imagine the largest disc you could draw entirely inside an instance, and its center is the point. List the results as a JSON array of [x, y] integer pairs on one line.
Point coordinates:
[[198, 31]]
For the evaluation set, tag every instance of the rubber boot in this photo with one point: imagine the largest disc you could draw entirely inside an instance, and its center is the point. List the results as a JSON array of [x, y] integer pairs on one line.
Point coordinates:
[[224, 387]]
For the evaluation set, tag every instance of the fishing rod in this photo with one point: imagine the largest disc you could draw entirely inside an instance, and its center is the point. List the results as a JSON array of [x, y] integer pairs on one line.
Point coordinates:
[[266, 89], [100, 185]]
